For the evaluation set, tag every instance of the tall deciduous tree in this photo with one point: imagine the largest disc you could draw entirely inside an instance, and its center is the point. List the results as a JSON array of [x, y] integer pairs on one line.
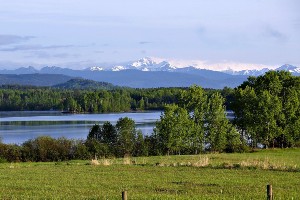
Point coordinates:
[[195, 101], [216, 123], [244, 107], [126, 136], [174, 130]]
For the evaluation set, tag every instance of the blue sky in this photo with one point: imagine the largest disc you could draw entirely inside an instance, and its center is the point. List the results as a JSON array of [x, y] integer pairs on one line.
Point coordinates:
[[214, 34]]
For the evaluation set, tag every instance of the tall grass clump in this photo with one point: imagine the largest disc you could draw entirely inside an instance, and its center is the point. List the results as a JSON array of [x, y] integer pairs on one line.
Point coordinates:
[[94, 162], [106, 162], [127, 160], [201, 162]]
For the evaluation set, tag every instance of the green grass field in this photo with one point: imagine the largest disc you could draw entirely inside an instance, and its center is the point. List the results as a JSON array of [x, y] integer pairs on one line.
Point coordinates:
[[208, 176]]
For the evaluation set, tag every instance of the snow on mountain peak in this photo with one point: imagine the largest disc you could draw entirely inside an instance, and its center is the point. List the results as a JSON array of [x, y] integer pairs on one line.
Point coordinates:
[[257, 72], [290, 68], [156, 64], [143, 62], [149, 64], [96, 68], [118, 68]]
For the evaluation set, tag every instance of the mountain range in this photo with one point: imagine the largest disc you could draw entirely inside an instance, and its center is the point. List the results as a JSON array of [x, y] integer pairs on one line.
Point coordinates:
[[293, 69], [147, 73], [148, 64]]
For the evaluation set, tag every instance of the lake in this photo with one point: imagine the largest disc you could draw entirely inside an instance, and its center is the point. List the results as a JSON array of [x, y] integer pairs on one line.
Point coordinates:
[[17, 127]]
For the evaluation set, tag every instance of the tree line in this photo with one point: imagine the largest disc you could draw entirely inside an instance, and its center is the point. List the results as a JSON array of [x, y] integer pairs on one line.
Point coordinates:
[[31, 98], [95, 101]]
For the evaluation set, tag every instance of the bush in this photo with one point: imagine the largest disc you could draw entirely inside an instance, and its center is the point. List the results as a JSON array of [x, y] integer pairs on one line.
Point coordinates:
[[13, 153], [45, 148], [81, 151], [3, 160]]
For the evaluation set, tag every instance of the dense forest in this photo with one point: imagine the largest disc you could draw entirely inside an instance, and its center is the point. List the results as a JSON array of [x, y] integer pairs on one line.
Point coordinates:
[[267, 114], [19, 98]]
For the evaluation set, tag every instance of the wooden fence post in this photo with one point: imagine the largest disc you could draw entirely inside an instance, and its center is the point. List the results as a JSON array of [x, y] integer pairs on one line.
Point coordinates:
[[124, 195], [269, 192]]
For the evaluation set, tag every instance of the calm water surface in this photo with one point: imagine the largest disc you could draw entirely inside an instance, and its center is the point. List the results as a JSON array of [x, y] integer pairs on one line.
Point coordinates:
[[17, 127]]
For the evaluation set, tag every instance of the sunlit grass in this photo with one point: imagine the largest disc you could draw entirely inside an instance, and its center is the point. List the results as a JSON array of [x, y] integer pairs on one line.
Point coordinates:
[[160, 177]]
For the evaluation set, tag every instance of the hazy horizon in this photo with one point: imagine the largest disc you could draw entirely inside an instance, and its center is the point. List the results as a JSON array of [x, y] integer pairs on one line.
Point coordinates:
[[173, 62]]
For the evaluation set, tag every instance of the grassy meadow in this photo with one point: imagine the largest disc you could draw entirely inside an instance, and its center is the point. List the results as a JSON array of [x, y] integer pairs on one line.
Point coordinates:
[[207, 176]]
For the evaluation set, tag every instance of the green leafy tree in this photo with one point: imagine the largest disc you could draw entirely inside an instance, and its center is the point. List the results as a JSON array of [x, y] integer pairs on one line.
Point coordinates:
[[96, 148], [140, 148], [195, 101], [268, 115], [267, 108], [126, 136], [217, 123], [244, 106], [175, 130], [234, 143]]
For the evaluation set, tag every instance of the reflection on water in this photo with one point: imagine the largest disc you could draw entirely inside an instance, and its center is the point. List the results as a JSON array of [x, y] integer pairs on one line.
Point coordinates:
[[17, 127]]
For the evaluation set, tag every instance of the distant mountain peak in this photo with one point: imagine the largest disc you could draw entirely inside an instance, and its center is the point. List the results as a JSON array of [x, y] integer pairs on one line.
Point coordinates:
[[118, 68], [290, 68], [95, 68], [26, 70], [143, 62], [257, 72], [150, 64]]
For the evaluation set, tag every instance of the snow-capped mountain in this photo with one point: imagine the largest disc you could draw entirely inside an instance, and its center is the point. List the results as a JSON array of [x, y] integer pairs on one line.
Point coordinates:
[[290, 68], [255, 72], [166, 66], [145, 74], [143, 64], [151, 65], [117, 68], [95, 68]]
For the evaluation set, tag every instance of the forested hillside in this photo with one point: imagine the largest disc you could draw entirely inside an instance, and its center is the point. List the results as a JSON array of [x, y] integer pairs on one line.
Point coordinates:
[[85, 84]]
